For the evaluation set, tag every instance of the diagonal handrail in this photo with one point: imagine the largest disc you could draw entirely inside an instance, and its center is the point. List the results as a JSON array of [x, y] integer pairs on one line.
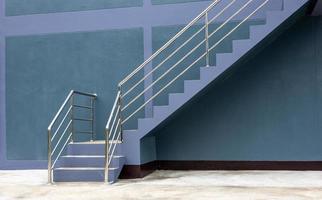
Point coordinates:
[[179, 48], [113, 130], [194, 21]]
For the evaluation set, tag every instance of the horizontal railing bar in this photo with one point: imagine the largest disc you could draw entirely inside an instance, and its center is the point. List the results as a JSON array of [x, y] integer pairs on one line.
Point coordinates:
[[70, 135], [60, 109], [65, 102], [169, 42], [61, 137], [84, 132], [180, 47], [61, 123], [151, 98], [165, 73], [85, 94], [81, 106], [230, 32], [113, 108], [82, 119]]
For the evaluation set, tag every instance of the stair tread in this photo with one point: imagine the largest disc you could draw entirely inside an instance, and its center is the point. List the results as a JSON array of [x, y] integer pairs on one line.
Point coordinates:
[[83, 156], [84, 168], [97, 142], [89, 156]]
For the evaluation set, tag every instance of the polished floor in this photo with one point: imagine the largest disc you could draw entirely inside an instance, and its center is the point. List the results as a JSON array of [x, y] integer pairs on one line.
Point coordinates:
[[228, 185]]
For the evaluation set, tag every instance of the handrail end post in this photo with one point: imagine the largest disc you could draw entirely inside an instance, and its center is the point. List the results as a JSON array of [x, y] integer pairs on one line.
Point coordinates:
[[106, 179], [207, 38], [50, 179]]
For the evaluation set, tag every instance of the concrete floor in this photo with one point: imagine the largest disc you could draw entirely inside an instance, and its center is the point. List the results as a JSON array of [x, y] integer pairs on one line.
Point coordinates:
[[239, 185]]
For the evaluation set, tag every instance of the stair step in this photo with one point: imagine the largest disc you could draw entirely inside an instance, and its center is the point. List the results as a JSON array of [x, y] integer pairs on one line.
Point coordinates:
[[145, 123], [242, 46], [81, 168], [293, 5], [225, 59], [160, 112], [82, 161], [98, 142], [79, 174], [191, 86], [259, 32], [90, 149], [274, 18], [206, 73]]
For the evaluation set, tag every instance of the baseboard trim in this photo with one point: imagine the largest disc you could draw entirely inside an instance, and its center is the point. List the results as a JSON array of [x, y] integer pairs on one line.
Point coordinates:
[[140, 171], [239, 165]]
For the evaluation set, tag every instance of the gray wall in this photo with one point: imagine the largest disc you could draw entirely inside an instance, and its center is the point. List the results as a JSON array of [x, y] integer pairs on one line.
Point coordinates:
[[269, 108]]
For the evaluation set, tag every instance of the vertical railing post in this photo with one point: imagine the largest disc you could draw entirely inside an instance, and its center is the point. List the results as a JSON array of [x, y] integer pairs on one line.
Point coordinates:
[[49, 157], [119, 103], [107, 135], [207, 38], [92, 117], [72, 116]]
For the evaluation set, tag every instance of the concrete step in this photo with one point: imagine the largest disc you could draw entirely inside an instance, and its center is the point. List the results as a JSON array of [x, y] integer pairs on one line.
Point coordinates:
[[80, 174], [93, 161], [88, 148]]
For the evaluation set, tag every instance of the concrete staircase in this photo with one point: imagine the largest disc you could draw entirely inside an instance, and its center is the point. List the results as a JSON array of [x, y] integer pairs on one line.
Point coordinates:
[[85, 161], [258, 33]]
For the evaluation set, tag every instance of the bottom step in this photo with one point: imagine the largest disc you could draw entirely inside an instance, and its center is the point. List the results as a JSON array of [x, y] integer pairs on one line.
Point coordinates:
[[75, 174]]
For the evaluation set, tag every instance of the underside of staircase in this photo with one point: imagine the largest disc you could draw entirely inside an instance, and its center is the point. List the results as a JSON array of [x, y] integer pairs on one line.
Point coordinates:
[[85, 161]]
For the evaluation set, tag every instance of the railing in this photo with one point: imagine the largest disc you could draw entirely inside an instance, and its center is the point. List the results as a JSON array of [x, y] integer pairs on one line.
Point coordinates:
[[62, 128], [118, 117]]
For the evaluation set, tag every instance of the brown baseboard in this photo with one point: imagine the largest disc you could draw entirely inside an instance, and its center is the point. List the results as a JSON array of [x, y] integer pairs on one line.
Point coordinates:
[[139, 171], [239, 165]]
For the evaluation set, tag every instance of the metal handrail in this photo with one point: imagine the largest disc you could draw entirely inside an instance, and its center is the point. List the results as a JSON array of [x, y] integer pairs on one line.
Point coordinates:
[[170, 41], [179, 48], [187, 55], [114, 131], [52, 148], [114, 115]]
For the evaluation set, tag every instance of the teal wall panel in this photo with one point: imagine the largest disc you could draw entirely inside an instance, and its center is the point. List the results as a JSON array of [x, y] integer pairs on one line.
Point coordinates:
[[159, 2], [269, 108], [24, 7], [42, 69]]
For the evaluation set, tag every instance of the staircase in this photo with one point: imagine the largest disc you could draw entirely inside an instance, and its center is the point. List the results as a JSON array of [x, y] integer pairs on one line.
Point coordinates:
[[103, 160]]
